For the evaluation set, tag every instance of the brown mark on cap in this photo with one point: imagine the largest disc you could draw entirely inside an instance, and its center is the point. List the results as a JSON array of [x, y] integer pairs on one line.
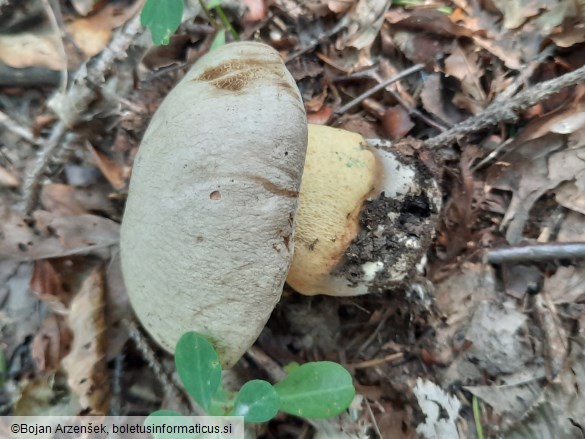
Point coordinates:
[[236, 75], [273, 188]]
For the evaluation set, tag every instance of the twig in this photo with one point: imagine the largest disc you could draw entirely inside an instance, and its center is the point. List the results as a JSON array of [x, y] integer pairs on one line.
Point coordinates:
[[537, 252], [525, 73], [377, 361], [374, 423], [270, 366], [492, 155], [170, 385], [61, 47], [382, 85], [336, 29], [74, 103], [414, 112], [375, 332], [33, 182], [15, 128], [504, 111], [28, 77]]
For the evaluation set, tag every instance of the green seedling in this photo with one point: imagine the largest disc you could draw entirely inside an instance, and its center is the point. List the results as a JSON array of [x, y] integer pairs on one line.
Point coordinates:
[[163, 18], [316, 390]]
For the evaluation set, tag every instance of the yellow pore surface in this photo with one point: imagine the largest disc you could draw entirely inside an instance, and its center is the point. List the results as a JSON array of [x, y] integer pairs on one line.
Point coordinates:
[[340, 173]]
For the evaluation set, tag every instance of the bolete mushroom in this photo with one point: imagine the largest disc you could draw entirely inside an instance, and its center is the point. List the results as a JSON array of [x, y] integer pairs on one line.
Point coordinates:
[[209, 228]]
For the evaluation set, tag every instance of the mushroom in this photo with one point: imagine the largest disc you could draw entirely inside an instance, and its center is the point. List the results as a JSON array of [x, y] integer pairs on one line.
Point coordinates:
[[211, 217]]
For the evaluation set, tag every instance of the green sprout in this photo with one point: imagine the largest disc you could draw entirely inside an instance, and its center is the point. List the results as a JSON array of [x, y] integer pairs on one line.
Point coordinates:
[[315, 390], [163, 18]]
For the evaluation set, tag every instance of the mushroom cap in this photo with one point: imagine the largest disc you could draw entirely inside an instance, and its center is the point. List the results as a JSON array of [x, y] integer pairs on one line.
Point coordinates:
[[341, 172], [207, 234]]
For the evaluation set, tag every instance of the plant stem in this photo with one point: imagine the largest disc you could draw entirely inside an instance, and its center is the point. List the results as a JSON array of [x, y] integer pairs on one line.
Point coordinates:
[[226, 23], [477, 418], [207, 12]]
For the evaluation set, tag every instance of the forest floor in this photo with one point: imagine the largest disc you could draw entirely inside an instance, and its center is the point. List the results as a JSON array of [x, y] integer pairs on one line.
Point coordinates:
[[492, 334]]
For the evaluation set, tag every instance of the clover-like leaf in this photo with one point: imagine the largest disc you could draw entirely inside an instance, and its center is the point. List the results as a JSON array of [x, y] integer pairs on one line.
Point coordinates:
[[257, 401], [316, 390], [198, 366]]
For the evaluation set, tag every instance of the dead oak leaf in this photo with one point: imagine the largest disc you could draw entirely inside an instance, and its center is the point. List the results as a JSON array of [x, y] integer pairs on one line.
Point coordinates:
[[464, 65], [86, 363]]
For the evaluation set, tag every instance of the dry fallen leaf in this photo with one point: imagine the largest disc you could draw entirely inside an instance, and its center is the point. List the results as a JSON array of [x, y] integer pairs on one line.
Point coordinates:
[[567, 285], [501, 349], [365, 20], [396, 122], [40, 47], [55, 236], [560, 410], [46, 283], [8, 179], [464, 65], [44, 396], [434, 102], [113, 171], [91, 34], [517, 12], [19, 316], [117, 307], [51, 344], [320, 117], [533, 169], [26, 49], [86, 363]]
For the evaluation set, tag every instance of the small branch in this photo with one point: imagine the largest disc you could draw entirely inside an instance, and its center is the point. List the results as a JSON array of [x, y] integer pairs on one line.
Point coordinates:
[[377, 361], [74, 103], [414, 112], [537, 252], [15, 128], [61, 47], [503, 111], [327, 35], [33, 183], [382, 85], [525, 73], [271, 367]]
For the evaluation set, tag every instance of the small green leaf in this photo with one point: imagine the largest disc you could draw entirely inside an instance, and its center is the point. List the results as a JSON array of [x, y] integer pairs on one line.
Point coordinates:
[[316, 390], [163, 18], [218, 40], [199, 367], [162, 418], [290, 367], [257, 401]]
